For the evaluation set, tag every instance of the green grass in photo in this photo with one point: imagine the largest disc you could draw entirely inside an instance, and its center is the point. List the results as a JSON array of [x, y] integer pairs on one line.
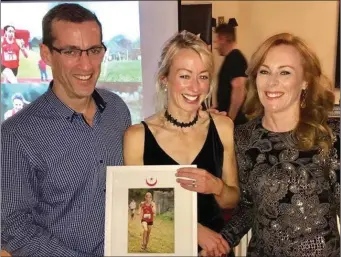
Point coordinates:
[[28, 67], [121, 71], [161, 237], [114, 71]]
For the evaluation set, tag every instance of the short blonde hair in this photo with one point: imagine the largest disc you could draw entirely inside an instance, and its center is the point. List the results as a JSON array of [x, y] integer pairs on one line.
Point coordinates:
[[182, 40], [312, 128]]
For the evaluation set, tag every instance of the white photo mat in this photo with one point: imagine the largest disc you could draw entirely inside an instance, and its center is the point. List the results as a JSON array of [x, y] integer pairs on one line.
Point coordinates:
[[119, 180]]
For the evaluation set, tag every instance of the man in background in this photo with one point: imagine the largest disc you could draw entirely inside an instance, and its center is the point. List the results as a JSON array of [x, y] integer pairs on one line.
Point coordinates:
[[230, 93], [10, 50], [54, 152], [132, 207], [42, 69]]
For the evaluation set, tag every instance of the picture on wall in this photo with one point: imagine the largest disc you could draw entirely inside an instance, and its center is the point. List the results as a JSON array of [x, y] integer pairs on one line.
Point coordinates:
[[21, 35]]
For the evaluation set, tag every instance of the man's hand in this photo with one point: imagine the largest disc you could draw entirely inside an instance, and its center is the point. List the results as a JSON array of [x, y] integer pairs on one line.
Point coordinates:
[[214, 110]]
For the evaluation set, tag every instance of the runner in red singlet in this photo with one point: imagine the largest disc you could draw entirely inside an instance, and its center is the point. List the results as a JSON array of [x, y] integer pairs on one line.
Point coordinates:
[[10, 51], [147, 212]]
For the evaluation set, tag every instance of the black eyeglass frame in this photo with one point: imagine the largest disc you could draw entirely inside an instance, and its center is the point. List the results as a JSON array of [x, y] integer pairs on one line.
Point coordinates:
[[60, 50]]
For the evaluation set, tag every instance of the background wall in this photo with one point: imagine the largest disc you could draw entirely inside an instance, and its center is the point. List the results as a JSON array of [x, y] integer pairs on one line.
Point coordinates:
[[314, 21], [153, 36]]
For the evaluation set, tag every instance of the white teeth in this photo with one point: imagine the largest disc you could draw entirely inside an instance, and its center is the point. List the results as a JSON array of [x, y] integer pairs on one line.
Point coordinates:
[[83, 77], [190, 97], [269, 94]]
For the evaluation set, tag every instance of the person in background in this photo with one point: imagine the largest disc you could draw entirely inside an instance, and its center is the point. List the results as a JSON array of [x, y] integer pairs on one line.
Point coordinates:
[[42, 69], [288, 156], [182, 133], [230, 93], [132, 208], [54, 152], [10, 50], [18, 102]]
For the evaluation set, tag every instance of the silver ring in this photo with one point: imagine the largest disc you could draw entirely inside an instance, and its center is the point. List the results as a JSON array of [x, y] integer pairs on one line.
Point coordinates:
[[194, 184]]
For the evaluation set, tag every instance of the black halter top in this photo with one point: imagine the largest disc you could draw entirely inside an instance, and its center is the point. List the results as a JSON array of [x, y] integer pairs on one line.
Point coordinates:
[[209, 158]]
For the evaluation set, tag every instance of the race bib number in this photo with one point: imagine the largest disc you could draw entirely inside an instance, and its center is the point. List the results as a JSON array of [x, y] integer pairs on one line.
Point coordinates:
[[10, 56], [146, 216]]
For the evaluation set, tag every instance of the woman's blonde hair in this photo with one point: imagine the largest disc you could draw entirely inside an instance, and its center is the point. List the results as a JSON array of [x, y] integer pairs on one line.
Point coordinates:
[[182, 40], [312, 129]]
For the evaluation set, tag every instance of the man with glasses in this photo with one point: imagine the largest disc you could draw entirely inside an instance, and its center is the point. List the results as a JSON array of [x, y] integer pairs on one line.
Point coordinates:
[[55, 151]]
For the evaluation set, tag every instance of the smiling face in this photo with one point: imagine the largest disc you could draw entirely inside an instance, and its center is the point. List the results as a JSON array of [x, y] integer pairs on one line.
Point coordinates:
[[148, 197], [188, 81], [280, 80], [18, 104], [9, 34], [74, 78]]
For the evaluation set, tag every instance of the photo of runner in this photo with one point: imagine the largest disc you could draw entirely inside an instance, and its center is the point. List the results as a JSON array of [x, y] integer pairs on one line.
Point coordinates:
[[152, 229], [10, 54]]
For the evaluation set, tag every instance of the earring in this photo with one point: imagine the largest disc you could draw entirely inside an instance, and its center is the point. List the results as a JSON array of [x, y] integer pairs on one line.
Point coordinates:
[[165, 87], [303, 98]]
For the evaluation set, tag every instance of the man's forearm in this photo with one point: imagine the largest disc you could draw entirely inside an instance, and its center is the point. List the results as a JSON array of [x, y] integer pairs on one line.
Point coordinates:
[[21, 235], [237, 99], [32, 240]]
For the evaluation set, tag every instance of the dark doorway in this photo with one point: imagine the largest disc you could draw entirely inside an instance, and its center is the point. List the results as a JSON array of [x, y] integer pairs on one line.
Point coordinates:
[[197, 18]]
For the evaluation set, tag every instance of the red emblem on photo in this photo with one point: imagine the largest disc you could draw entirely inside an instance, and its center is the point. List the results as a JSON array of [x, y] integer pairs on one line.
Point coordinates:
[[151, 181]]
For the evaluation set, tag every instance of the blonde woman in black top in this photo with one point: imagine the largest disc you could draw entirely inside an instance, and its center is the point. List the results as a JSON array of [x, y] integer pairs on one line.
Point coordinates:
[[182, 133]]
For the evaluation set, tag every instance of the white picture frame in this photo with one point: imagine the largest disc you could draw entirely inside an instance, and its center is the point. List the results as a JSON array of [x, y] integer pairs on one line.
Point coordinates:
[[121, 225]]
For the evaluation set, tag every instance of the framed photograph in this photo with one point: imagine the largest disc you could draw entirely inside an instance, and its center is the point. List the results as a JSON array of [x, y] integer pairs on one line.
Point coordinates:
[[148, 213]]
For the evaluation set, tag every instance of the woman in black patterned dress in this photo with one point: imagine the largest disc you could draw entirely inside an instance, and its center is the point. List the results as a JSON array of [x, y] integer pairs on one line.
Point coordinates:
[[287, 156]]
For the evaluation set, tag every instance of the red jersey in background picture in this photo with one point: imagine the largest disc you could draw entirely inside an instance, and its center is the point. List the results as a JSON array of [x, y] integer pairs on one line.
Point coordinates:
[[42, 64], [20, 34], [9, 54], [10, 51]]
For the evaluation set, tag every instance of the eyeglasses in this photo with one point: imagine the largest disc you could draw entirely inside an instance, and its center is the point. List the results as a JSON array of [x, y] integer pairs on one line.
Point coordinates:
[[94, 53]]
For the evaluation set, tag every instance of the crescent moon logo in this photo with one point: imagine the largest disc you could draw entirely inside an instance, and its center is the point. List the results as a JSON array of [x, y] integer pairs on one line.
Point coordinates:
[[150, 182]]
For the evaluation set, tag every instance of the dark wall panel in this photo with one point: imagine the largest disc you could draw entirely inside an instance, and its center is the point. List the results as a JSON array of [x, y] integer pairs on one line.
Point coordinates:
[[197, 18]]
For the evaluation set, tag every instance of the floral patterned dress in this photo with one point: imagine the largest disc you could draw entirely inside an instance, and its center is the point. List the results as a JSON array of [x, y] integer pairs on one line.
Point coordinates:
[[290, 198]]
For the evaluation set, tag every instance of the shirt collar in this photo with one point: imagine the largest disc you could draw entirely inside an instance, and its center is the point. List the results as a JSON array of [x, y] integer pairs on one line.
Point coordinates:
[[65, 110]]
